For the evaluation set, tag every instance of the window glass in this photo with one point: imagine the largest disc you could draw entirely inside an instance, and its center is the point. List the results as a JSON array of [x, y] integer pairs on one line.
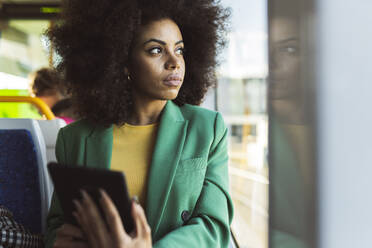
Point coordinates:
[[241, 98], [291, 135]]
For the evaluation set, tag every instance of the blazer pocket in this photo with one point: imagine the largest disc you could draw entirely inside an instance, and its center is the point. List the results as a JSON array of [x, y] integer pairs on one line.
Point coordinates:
[[188, 182], [192, 164]]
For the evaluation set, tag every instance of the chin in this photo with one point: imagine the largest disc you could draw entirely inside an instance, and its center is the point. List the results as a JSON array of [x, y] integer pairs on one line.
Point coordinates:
[[170, 98], [170, 95]]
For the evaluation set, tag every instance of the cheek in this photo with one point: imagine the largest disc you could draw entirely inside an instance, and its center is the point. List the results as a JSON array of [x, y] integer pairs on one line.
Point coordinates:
[[147, 71], [183, 65], [293, 67], [289, 64]]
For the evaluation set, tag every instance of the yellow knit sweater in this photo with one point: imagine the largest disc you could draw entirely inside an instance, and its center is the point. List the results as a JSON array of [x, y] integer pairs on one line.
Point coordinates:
[[131, 153]]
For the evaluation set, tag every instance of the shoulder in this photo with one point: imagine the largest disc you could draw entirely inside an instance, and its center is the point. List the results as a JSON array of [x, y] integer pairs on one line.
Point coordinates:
[[197, 113], [77, 128], [202, 117]]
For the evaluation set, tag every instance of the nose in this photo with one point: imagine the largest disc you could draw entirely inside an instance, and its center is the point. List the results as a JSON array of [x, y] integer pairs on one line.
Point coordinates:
[[172, 62]]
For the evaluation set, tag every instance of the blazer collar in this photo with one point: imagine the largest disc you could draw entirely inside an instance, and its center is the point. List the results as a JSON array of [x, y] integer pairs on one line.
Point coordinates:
[[99, 147], [167, 153]]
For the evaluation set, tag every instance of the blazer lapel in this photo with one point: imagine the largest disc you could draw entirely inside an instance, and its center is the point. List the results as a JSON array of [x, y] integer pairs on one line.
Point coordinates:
[[99, 148], [167, 152]]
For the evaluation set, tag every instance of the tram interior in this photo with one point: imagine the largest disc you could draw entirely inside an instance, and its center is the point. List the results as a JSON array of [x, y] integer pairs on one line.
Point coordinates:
[[271, 141]]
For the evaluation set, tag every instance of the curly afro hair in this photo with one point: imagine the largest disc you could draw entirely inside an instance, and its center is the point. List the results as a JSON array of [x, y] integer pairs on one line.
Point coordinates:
[[94, 40]]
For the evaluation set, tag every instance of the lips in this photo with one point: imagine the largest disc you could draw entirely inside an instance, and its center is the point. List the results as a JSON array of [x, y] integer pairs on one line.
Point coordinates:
[[173, 80]]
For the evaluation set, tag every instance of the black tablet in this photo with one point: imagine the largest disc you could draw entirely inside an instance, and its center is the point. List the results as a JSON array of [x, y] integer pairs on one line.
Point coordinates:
[[68, 180]]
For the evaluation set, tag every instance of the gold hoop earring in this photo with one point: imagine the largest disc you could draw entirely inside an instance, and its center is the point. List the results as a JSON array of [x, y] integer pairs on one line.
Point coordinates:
[[129, 79]]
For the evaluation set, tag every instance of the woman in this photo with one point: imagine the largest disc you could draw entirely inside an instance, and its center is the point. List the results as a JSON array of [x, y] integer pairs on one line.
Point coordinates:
[[137, 88]]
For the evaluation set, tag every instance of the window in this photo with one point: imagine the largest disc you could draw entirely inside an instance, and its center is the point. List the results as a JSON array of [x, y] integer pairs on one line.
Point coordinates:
[[241, 98]]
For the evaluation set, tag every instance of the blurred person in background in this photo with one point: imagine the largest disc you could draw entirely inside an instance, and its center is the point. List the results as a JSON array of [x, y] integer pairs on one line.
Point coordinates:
[[48, 85], [64, 110]]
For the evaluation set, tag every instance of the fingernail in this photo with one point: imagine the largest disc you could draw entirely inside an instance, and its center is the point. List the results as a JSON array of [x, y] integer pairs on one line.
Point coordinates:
[[83, 194], [100, 194], [75, 214], [135, 199], [76, 203]]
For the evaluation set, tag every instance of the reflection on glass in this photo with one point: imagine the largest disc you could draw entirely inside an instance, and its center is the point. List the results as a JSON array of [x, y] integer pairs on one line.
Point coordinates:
[[290, 135]]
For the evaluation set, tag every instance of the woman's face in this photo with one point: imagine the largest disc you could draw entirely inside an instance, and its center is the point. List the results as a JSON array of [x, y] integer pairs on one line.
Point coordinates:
[[157, 66], [285, 59]]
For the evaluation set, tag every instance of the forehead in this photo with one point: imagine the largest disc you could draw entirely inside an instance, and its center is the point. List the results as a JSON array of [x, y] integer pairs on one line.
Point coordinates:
[[164, 29], [283, 28]]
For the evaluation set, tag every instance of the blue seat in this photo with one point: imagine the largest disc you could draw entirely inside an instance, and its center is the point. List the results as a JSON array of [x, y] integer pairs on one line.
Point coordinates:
[[18, 170], [19, 178]]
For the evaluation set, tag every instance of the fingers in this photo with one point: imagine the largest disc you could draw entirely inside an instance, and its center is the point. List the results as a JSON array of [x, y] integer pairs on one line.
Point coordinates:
[[68, 243], [69, 236], [113, 218], [142, 227], [95, 229], [70, 231], [90, 220]]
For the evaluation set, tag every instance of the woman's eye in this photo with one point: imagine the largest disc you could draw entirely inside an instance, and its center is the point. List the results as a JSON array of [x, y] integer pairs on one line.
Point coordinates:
[[180, 51], [155, 50], [289, 49]]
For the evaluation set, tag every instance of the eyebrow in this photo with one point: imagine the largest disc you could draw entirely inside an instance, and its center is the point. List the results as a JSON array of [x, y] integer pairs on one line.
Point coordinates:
[[161, 42], [287, 40]]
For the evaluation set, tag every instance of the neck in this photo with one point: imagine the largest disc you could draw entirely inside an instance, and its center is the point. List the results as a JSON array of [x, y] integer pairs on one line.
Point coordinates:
[[50, 100], [146, 112]]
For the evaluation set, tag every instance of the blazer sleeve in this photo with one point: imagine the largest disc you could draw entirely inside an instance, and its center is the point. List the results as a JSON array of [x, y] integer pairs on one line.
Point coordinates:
[[209, 225], [55, 215]]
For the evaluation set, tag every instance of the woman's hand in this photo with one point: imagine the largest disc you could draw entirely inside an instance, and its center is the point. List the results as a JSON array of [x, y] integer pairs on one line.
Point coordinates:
[[96, 231], [69, 236]]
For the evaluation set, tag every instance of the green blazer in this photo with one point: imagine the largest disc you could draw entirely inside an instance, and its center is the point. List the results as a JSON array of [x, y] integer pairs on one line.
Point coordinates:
[[188, 173]]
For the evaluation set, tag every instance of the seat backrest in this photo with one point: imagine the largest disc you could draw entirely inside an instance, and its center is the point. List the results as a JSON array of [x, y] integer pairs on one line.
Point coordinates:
[[20, 190], [45, 185], [50, 129]]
